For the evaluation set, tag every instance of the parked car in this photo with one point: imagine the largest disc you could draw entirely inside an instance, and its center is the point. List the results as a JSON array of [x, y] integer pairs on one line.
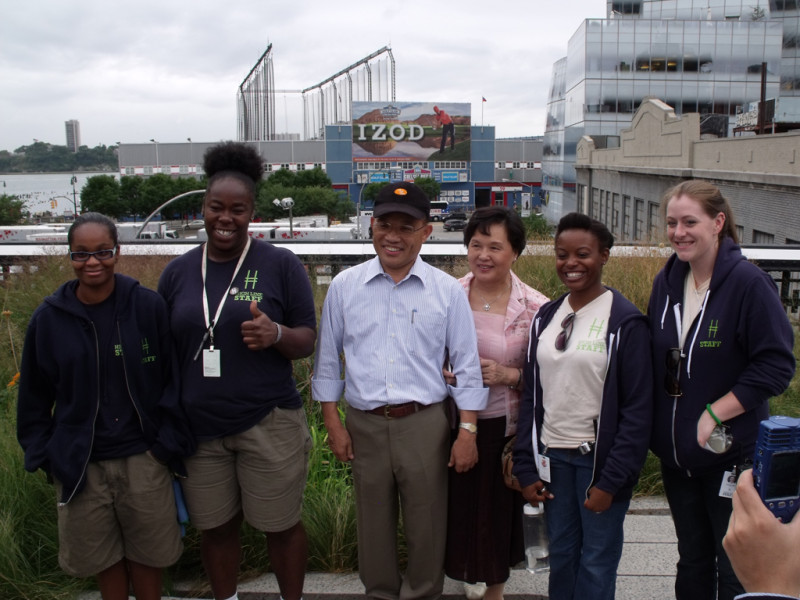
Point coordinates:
[[196, 224], [455, 222]]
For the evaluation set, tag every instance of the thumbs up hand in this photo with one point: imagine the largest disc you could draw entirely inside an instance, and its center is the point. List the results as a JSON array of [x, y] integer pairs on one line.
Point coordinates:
[[260, 332]]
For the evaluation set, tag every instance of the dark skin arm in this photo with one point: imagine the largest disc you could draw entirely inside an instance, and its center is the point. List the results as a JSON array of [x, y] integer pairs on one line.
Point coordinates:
[[261, 332]]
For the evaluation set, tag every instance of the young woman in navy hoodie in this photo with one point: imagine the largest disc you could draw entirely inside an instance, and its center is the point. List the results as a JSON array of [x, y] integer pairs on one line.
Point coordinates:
[[584, 415], [99, 412], [722, 346]]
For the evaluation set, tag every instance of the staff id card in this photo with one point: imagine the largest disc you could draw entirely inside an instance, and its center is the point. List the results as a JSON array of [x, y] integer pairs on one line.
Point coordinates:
[[728, 485], [544, 468], [211, 363]]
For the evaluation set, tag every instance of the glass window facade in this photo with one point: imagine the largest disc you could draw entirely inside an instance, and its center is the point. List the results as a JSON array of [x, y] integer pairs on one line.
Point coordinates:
[[696, 55]]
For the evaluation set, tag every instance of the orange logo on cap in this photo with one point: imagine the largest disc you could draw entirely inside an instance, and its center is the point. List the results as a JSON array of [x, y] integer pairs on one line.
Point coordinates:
[[400, 192]]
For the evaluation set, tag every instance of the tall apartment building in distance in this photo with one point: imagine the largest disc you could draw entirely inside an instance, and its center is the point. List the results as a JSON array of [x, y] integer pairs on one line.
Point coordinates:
[[697, 56], [73, 128]]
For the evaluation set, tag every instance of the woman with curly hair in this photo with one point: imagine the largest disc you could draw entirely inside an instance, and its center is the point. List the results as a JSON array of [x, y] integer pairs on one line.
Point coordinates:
[[585, 414], [241, 311]]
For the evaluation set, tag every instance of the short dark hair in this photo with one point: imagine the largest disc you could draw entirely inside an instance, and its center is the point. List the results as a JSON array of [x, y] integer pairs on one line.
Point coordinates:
[[234, 159], [97, 218], [575, 220], [483, 219]]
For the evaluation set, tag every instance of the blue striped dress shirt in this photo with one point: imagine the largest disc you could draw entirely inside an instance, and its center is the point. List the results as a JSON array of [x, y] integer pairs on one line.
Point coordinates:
[[392, 339]]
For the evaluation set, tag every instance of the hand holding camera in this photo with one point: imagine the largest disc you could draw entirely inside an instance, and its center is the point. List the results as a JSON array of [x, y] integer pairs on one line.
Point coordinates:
[[762, 550]]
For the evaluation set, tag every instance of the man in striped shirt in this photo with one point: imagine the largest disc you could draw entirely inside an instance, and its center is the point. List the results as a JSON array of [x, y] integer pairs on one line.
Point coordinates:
[[396, 321]]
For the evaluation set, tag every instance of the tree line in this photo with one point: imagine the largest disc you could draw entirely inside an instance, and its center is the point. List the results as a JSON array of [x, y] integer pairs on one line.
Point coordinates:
[[41, 157], [137, 197], [133, 197]]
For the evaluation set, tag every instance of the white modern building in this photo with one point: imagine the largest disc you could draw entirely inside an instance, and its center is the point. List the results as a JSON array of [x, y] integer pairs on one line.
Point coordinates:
[[698, 56]]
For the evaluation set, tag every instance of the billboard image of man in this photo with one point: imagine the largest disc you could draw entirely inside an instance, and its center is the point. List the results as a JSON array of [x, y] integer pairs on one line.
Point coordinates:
[[448, 127]]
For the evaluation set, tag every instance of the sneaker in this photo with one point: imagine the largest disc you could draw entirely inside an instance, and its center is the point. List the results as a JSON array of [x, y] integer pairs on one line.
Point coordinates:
[[475, 591]]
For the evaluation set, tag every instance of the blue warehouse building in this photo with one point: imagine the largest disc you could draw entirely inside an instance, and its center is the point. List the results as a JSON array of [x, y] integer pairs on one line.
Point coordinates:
[[500, 172]]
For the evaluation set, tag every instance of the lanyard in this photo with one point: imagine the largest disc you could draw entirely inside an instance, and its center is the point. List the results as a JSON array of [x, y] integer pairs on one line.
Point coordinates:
[[203, 267]]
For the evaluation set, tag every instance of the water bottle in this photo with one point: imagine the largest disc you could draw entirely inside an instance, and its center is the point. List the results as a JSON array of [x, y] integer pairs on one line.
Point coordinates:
[[534, 529]]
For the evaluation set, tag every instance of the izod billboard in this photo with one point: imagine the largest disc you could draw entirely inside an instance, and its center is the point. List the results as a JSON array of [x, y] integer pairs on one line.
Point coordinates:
[[411, 131]]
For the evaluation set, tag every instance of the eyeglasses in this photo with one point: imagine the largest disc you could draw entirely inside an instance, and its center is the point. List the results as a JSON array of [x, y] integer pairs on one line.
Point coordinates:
[[566, 331], [673, 362], [403, 230], [99, 255]]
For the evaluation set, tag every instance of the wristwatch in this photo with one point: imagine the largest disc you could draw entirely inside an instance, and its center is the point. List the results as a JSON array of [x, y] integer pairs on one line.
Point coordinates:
[[471, 427]]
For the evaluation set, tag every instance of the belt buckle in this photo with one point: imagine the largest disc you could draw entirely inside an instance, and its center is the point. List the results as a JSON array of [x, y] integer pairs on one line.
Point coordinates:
[[387, 411]]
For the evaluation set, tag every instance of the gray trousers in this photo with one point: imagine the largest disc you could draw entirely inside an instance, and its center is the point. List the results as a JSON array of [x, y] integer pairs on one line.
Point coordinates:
[[401, 465]]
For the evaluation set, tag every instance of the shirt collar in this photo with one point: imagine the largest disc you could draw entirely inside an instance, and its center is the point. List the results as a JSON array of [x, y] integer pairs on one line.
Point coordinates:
[[418, 269]]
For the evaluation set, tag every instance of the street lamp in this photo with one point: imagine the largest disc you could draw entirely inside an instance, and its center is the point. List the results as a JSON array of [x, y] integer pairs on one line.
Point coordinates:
[[188, 139], [286, 204], [156, 143], [73, 181]]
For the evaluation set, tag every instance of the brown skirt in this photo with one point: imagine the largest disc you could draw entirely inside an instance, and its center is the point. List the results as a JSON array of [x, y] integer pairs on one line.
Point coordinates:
[[484, 517]]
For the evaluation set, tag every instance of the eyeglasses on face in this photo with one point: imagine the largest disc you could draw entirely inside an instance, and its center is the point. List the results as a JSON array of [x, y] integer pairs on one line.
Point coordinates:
[[566, 331], [387, 227], [673, 363], [82, 256]]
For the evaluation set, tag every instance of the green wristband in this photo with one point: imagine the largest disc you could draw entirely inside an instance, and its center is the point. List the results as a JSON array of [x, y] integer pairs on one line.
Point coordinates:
[[713, 416]]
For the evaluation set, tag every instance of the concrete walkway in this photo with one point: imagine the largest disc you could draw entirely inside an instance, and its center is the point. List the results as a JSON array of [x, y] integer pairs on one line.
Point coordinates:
[[647, 568]]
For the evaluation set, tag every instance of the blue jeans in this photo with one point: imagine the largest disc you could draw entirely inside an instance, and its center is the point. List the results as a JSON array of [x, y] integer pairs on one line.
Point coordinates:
[[585, 547], [701, 520]]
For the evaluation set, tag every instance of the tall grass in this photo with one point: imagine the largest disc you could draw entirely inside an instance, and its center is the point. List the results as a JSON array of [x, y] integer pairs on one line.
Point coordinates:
[[28, 533], [28, 530]]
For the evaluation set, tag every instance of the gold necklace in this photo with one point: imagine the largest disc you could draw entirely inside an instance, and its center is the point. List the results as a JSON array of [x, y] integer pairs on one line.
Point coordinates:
[[487, 304]]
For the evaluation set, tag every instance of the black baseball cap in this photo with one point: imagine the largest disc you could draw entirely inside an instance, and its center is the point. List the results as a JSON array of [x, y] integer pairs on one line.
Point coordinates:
[[404, 197]]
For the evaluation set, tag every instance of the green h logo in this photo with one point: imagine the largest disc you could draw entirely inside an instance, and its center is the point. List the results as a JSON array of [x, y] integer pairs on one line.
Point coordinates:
[[251, 279], [712, 328], [596, 327]]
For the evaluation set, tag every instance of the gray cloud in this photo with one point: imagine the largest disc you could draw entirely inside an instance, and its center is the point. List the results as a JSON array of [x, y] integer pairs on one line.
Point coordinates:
[[164, 70]]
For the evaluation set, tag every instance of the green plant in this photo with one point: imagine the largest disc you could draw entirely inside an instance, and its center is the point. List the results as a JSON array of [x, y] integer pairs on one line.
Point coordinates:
[[537, 227], [28, 531]]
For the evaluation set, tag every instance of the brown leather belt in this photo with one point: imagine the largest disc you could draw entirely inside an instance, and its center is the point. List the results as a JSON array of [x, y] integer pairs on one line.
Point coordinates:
[[395, 411]]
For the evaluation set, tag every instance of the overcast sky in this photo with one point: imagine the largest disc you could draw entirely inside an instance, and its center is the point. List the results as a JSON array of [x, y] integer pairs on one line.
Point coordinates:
[[169, 70]]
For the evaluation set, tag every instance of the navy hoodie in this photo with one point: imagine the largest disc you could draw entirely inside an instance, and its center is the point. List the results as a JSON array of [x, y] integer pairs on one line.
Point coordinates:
[[623, 429], [741, 341], [59, 391]]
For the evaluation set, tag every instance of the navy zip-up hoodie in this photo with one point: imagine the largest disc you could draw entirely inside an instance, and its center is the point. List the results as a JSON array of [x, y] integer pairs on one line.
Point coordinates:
[[59, 391], [623, 429], [741, 341]]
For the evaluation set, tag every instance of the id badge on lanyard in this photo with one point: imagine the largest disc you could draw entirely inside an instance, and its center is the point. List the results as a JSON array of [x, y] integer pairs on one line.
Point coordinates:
[[212, 364]]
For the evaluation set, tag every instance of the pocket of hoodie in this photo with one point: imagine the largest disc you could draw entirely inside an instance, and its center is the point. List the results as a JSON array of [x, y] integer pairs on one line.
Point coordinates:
[[68, 452]]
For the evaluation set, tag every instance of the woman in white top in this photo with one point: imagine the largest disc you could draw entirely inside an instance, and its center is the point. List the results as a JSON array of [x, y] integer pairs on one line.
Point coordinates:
[[585, 414]]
